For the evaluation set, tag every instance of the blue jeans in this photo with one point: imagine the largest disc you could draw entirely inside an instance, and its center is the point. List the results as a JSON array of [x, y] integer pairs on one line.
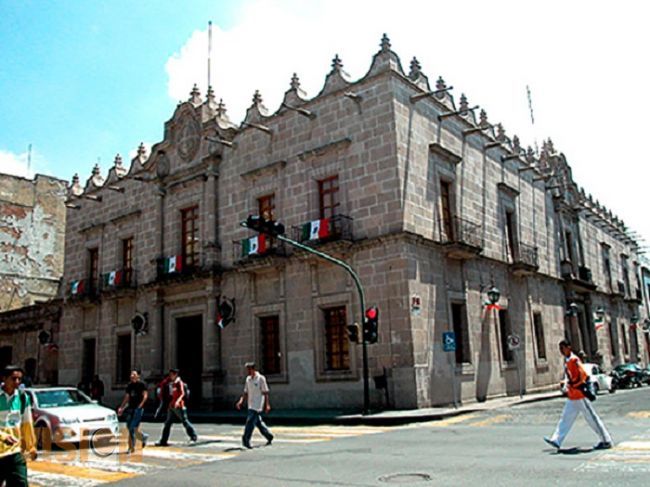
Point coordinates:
[[133, 418], [182, 415], [254, 418]]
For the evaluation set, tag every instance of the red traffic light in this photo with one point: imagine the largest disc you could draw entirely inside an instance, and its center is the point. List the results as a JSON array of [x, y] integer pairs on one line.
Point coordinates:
[[371, 313]]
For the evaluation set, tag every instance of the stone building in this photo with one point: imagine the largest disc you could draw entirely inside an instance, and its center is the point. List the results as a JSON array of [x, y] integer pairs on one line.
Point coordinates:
[[32, 227], [429, 201]]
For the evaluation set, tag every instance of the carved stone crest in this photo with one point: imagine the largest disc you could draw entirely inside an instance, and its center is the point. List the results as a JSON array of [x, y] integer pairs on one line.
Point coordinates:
[[188, 139]]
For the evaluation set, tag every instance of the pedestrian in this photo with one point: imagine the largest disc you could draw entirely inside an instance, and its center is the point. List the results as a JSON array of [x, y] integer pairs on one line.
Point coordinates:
[[576, 378], [256, 393], [17, 436], [176, 407], [97, 389], [132, 406]]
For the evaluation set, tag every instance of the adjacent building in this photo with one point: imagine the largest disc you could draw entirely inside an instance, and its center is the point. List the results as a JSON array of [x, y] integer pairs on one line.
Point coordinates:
[[431, 203], [32, 228]]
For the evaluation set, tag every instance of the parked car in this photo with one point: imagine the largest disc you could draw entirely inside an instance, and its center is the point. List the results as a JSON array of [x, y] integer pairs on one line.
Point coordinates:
[[627, 375], [645, 378], [67, 415], [600, 380]]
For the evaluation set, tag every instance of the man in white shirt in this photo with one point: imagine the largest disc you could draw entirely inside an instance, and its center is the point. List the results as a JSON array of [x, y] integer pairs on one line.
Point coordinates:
[[256, 393]]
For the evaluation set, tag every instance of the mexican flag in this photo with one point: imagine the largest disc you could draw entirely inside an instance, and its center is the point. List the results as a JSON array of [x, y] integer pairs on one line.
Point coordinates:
[[316, 229], [254, 245], [173, 264], [77, 287], [113, 278], [598, 323]]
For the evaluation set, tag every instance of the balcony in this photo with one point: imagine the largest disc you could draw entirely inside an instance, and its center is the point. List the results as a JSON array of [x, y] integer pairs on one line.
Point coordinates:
[[116, 280], [259, 249], [619, 290], [325, 230], [83, 289], [635, 298], [462, 239], [526, 260], [176, 267], [581, 281]]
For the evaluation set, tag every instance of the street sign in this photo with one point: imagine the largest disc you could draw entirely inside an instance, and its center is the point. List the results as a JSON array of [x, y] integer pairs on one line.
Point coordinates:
[[449, 341], [513, 342]]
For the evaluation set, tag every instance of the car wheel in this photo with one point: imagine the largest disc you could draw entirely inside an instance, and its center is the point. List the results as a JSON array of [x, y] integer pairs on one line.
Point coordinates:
[[43, 437], [612, 389], [596, 388]]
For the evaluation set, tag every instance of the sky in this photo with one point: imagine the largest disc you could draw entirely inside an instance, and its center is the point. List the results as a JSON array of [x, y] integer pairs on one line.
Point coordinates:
[[81, 81]]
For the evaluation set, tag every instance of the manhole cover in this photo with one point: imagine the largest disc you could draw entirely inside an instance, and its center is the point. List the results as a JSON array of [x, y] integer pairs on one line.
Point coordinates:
[[405, 478]]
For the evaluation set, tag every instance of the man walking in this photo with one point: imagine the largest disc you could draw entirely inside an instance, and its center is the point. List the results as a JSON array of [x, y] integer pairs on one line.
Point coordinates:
[[256, 393], [133, 403], [16, 429], [577, 403], [176, 409]]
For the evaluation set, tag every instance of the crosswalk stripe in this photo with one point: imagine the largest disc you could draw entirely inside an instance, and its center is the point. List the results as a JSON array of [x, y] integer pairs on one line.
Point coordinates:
[[639, 414], [79, 471]]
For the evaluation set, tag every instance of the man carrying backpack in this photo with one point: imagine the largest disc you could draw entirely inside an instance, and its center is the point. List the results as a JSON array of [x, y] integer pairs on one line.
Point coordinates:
[[16, 429], [174, 388]]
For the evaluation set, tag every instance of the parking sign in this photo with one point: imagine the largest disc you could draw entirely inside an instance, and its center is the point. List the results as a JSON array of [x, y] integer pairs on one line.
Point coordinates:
[[449, 341]]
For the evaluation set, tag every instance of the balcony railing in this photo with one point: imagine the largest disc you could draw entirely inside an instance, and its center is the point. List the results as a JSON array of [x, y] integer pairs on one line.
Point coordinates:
[[464, 238], [120, 279], [526, 259], [82, 288], [584, 274], [256, 247], [175, 266], [620, 288], [338, 227]]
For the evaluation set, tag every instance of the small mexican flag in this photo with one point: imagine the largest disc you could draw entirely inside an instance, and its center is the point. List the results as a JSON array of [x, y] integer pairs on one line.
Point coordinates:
[[113, 278], [316, 229], [77, 287], [173, 264], [254, 245]]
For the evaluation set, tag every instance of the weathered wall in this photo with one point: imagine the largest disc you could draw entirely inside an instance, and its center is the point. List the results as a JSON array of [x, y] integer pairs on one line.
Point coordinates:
[[32, 232]]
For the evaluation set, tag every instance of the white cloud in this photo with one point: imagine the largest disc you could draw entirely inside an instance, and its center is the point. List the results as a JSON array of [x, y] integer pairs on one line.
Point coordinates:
[[15, 164], [582, 60]]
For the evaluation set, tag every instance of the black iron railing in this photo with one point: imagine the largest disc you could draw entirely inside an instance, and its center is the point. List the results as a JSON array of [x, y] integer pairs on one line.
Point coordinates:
[[526, 255], [338, 227], [461, 231], [584, 273]]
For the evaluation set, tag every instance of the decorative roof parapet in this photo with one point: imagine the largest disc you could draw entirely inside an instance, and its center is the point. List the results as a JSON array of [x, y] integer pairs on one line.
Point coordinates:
[[75, 188], [257, 111], [417, 76], [95, 181], [336, 79], [209, 107], [137, 163], [295, 95], [444, 97], [385, 59], [195, 96], [120, 170]]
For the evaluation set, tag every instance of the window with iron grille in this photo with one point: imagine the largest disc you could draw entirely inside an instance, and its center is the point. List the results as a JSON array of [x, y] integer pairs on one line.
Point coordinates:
[[190, 236], [337, 356], [538, 325], [93, 266], [270, 341], [123, 359], [504, 329], [127, 258], [459, 321], [612, 339], [328, 197]]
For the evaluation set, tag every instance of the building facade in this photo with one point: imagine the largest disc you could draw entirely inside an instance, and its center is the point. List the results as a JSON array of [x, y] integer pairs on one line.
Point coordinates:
[[431, 203]]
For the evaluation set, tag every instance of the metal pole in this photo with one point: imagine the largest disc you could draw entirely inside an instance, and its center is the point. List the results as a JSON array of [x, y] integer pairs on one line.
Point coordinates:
[[362, 302]]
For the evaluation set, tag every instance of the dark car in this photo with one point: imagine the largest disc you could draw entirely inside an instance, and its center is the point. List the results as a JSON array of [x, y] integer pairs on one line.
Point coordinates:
[[646, 374], [627, 375]]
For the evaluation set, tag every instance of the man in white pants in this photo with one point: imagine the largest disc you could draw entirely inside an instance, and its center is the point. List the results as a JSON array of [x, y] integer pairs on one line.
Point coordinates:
[[577, 403]]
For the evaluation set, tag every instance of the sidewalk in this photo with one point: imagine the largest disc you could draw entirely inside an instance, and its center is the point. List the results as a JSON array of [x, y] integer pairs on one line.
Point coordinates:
[[383, 418]]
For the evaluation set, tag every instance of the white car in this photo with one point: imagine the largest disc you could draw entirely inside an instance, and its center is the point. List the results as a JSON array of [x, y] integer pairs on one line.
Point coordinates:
[[601, 381], [67, 415]]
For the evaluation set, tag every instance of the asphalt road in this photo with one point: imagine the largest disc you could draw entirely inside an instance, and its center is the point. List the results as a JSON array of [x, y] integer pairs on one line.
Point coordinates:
[[497, 447]]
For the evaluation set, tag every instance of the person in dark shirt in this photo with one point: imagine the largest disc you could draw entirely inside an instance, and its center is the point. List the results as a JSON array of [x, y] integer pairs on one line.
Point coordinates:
[[133, 407], [97, 389]]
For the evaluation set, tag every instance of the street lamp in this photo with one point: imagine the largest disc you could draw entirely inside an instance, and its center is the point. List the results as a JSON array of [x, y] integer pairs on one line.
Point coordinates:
[[493, 295], [634, 319], [600, 312], [572, 309]]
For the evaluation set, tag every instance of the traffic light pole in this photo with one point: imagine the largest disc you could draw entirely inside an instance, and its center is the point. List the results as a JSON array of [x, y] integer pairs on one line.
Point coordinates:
[[362, 302]]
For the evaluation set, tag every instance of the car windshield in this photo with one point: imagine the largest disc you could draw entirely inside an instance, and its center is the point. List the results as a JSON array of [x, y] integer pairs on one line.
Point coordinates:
[[60, 398]]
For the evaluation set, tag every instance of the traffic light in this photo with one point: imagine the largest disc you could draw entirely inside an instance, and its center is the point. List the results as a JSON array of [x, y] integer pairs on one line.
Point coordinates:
[[354, 332], [139, 323], [264, 225], [371, 325]]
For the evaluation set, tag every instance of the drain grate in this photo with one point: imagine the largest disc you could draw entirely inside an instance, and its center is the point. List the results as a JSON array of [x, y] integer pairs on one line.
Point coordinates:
[[405, 478]]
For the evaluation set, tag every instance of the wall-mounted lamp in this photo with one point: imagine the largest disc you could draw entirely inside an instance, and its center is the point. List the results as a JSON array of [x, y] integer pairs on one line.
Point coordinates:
[[634, 319], [600, 312]]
